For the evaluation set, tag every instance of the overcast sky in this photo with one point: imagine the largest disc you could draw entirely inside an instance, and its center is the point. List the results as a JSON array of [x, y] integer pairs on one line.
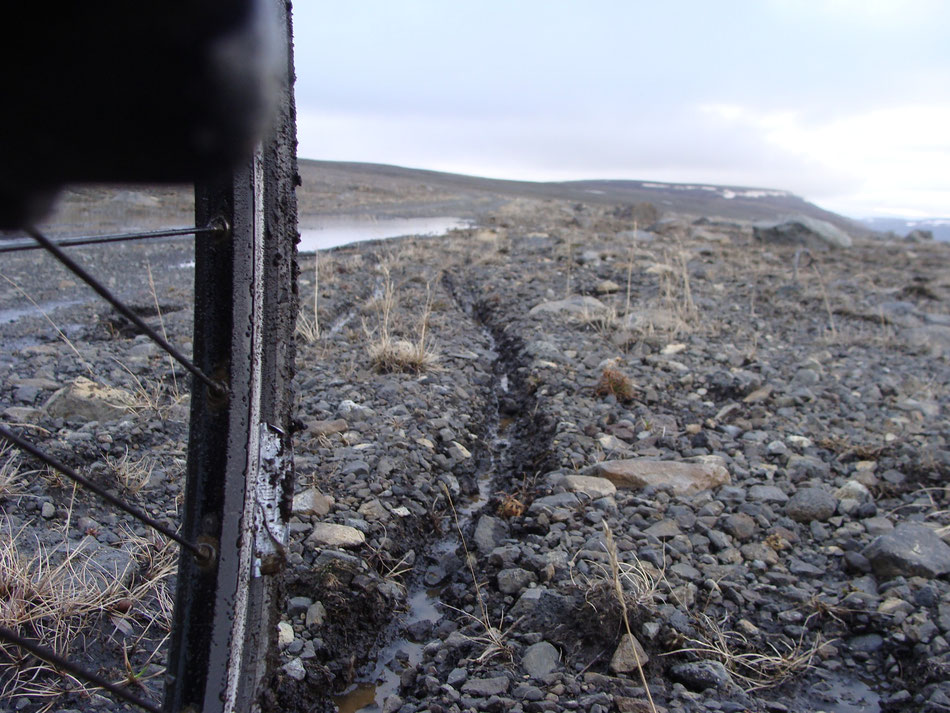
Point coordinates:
[[844, 102]]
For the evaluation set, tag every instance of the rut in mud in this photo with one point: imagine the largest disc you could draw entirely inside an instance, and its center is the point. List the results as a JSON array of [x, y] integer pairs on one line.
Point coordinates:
[[512, 450]]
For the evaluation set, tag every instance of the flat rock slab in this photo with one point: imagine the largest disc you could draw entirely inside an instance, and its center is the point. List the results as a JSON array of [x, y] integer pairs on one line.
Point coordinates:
[[910, 550], [328, 534], [325, 428], [590, 485], [683, 478], [485, 687], [573, 306], [88, 401]]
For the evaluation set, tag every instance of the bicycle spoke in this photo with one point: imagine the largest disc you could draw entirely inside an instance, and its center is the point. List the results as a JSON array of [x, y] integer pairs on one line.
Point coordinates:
[[202, 551], [21, 245], [216, 387], [50, 656]]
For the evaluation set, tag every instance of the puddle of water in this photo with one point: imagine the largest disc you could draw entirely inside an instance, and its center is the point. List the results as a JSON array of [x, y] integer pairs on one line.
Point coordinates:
[[845, 695], [335, 231], [12, 315], [356, 698]]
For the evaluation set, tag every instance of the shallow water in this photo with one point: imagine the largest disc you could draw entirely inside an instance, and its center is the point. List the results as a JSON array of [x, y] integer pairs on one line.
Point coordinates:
[[335, 231], [38, 310]]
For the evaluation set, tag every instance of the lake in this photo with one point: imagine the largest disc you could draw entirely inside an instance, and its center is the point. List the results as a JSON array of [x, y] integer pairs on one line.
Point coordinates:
[[335, 231]]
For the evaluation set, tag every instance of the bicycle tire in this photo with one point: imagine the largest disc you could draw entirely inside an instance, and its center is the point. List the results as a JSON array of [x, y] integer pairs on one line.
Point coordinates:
[[245, 314]]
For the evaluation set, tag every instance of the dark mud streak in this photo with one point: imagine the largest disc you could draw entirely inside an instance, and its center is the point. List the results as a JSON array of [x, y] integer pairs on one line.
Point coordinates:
[[530, 435]]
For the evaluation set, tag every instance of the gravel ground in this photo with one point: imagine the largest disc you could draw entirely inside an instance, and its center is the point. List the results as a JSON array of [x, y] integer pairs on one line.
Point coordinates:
[[539, 456]]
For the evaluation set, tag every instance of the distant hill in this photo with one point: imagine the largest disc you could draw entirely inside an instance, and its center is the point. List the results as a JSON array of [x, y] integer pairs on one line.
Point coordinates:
[[700, 199], [940, 227]]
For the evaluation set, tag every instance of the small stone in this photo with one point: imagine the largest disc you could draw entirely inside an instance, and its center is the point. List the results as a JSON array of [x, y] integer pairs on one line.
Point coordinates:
[[459, 452], [285, 634], [326, 534], [540, 659], [312, 502], [637, 705], [457, 677], [316, 613], [701, 675], [663, 530], [489, 533], [513, 580], [739, 525], [353, 411], [606, 287], [48, 510], [853, 490], [22, 414], [767, 494], [811, 504], [295, 669], [392, 704], [373, 510], [627, 654], [298, 605]]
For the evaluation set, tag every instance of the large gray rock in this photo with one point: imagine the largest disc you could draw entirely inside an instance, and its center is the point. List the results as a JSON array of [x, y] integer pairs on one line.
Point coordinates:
[[86, 400], [683, 478], [910, 550], [811, 504], [802, 230]]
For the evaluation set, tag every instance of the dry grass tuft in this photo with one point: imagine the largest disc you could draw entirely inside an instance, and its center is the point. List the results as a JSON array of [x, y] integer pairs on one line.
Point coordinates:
[[59, 596], [390, 354], [49, 596], [156, 396], [752, 668], [133, 475], [676, 289], [309, 329], [492, 639], [11, 476], [646, 586], [614, 382]]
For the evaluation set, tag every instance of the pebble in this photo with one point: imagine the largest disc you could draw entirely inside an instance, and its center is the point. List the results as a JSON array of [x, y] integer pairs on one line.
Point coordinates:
[[809, 504]]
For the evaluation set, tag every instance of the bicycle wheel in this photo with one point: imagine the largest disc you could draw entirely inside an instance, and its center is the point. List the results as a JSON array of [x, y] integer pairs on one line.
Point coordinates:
[[240, 470], [240, 466]]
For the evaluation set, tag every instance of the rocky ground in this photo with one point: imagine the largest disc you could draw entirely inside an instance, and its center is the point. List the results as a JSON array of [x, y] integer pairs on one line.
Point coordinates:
[[550, 463]]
